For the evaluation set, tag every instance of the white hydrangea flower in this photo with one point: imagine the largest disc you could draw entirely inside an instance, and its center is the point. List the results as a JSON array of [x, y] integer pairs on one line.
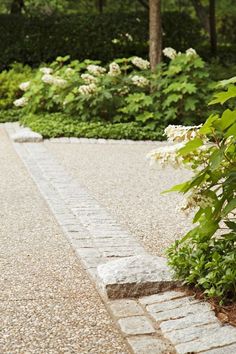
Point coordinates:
[[140, 81], [48, 79], [96, 69], [69, 71], [178, 133], [87, 89], [57, 81], [167, 155], [46, 70], [170, 52], [191, 52], [114, 69], [140, 63], [51, 80], [89, 79], [194, 200], [24, 86], [21, 102]]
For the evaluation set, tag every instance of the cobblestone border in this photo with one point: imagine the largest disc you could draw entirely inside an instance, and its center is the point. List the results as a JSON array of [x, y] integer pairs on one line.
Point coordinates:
[[103, 141], [169, 322]]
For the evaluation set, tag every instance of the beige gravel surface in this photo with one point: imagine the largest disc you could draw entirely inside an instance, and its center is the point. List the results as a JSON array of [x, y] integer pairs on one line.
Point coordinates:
[[121, 179], [47, 303]]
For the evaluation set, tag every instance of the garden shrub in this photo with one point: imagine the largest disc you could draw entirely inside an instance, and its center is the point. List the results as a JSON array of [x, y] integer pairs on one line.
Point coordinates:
[[206, 255], [9, 84], [9, 115], [124, 91], [53, 125]]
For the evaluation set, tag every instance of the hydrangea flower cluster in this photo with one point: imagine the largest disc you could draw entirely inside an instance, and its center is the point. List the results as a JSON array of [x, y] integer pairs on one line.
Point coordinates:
[[191, 52], [140, 81], [167, 155], [194, 200], [21, 102], [24, 86], [96, 70], [170, 53], [178, 133], [46, 71], [140, 63], [114, 69], [87, 90], [51, 80], [89, 79]]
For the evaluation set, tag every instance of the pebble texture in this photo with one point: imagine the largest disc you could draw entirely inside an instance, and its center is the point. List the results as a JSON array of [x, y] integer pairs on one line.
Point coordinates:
[[120, 177], [26, 135], [135, 276], [186, 323], [47, 302]]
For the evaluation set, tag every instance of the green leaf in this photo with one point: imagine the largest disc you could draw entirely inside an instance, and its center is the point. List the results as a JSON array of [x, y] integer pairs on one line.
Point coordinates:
[[229, 207], [207, 127], [222, 97], [227, 119], [191, 146], [183, 187], [216, 159]]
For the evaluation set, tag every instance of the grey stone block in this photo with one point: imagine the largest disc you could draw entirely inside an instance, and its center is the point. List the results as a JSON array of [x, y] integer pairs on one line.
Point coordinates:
[[26, 135], [135, 276], [149, 345], [136, 325]]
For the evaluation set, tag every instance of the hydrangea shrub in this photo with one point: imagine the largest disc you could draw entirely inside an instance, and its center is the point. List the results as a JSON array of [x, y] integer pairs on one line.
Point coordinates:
[[206, 255], [123, 91]]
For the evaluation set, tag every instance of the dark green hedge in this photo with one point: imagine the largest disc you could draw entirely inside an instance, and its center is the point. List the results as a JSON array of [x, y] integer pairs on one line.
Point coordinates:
[[42, 39]]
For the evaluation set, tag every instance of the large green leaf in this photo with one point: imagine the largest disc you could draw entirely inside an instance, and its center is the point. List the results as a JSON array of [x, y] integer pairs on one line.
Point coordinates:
[[191, 146]]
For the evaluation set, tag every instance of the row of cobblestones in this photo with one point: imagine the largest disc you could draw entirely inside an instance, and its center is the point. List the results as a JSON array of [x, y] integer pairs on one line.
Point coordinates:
[[164, 323]]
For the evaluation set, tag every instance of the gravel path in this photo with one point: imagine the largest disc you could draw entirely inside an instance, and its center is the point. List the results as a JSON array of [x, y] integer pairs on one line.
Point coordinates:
[[47, 303], [120, 178]]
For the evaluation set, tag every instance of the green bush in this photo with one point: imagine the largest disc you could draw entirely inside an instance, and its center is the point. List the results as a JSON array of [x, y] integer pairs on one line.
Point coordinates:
[[60, 125], [124, 91], [206, 255], [9, 84], [10, 115], [33, 40]]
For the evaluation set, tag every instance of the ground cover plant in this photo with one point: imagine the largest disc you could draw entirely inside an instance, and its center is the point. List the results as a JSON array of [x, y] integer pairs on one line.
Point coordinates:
[[123, 92], [206, 255]]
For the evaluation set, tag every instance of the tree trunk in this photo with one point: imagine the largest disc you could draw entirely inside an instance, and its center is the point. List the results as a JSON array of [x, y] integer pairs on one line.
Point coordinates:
[[212, 22], [155, 33], [17, 6]]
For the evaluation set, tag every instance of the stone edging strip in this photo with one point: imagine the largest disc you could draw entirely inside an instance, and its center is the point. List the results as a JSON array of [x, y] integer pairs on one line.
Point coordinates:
[[168, 322]]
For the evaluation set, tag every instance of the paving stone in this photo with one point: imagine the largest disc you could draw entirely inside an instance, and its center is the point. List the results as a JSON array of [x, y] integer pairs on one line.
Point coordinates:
[[135, 276], [26, 135], [167, 295], [172, 304], [136, 325], [149, 345], [229, 349], [190, 320], [125, 308], [179, 312], [191, 333], [220, 337]]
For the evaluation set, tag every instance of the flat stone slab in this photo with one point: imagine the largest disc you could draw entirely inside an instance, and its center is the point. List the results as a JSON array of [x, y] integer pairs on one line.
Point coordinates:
[[135, 276], [26, 135]]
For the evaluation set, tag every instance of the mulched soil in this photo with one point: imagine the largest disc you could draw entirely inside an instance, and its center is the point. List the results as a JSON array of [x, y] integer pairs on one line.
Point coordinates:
[[226, 313]]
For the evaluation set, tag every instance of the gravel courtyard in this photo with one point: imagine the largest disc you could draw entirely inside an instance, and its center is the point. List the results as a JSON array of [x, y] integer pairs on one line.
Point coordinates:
[[122, 180], [48, 303]]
